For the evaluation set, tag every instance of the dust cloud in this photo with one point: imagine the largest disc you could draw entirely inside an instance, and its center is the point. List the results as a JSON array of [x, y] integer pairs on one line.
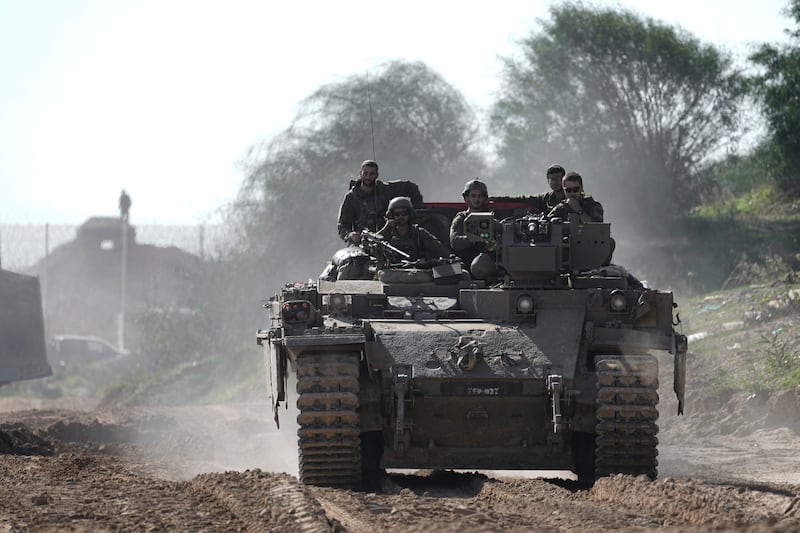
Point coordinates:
[[190, 440]]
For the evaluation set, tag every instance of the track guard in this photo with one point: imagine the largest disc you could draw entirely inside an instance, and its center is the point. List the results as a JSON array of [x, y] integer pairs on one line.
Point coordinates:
[[680, 346], [275, 359]]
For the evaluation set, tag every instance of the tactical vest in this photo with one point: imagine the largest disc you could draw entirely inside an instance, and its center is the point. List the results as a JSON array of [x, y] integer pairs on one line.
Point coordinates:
[[372, 214], [410, 244]]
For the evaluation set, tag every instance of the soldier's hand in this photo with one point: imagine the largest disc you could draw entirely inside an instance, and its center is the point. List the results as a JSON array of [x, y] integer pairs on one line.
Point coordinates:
[[354, 237], [574, 204]]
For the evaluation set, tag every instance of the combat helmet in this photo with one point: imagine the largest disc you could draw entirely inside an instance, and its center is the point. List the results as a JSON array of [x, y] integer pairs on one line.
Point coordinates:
[[475, 184], [401, 201]]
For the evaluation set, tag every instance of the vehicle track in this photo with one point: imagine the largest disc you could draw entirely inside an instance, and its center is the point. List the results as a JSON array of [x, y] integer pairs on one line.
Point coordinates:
[[329, 444], [627, 395]]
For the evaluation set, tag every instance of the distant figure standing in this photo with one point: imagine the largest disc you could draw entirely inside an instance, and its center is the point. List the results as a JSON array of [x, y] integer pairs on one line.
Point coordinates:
[[124, 205]]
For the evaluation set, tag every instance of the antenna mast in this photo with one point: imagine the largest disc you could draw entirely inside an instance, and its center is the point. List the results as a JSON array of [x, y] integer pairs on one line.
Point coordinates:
[[371, 125]]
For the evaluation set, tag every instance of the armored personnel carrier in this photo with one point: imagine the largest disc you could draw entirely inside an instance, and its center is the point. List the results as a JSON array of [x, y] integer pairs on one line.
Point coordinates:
[[552, 365]]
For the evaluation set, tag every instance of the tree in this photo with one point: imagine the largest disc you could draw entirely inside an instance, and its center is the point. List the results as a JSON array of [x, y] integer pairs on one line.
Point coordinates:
[[778, 87], [421, 128], [636, 106]]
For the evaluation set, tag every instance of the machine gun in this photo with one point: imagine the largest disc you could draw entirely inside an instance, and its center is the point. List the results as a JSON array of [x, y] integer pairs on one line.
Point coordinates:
[[376, 246], [533, 247]]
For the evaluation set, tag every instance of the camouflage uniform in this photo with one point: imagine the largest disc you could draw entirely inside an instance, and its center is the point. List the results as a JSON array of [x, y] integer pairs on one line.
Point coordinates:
[[588, 205], [460, 243], [419, 243], [362, 210]]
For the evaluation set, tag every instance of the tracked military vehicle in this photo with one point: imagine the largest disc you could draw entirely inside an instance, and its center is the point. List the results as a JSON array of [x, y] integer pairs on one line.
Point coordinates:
[[551, 365]]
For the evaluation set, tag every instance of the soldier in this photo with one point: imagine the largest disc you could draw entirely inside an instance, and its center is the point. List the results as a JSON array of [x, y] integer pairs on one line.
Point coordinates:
[[586, 207], [476, 255], [401, 232], [555, 175], [545, 201], [363, 206], [124, 205]]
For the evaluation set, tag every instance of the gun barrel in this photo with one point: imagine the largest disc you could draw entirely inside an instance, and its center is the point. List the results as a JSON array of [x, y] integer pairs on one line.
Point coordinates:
[[377, 239]]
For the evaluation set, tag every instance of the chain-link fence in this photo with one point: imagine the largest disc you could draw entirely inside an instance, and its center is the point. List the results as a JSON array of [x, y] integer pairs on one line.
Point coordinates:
[[23, 245]]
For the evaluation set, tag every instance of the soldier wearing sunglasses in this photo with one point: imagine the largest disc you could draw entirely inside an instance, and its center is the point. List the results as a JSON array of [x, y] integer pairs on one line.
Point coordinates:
[[401, 232], [575, 201]]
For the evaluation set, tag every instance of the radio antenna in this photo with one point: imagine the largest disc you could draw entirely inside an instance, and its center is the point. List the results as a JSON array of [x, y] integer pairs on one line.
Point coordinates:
[[371, 125]]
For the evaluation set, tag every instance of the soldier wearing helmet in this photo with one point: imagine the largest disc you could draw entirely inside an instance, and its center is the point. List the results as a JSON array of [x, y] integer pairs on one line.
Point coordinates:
[[401, 232], [364, 204], [476, 196]]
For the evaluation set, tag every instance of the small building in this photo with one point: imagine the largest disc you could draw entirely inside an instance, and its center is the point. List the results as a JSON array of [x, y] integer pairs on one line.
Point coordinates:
[[105, 233]]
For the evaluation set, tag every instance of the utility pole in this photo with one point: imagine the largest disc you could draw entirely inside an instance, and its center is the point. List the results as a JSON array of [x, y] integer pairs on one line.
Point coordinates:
[[123, 286], [45, 265]]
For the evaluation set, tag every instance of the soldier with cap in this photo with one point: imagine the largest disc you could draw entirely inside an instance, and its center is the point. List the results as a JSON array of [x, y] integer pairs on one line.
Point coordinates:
[[364, 205], [477, 256], [401, 232]]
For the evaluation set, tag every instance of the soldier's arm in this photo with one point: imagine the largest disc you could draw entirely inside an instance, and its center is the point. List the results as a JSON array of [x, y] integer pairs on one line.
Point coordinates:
[[433, 246], [594, 209], [458, 238], [347, 217], [559, 211]]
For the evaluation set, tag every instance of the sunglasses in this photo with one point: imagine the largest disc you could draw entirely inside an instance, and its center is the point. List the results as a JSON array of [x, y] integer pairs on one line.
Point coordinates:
[[572, 189], [396, 214]]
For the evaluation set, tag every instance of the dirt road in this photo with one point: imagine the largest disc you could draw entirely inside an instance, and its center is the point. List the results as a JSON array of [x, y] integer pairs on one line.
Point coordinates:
[[224, 468]]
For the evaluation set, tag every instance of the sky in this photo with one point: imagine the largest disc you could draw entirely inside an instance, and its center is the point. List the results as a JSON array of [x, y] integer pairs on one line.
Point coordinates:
[[164, 98]]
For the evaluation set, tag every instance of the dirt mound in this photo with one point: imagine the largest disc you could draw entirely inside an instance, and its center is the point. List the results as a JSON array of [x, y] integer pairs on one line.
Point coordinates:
[[17, 439], [73, 431]]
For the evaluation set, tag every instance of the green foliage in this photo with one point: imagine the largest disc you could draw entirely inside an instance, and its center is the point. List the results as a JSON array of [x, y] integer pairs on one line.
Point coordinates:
[[637, 104], [756, 201], [173, 336], [737, 175], [762, 270], [781, 359], [778, 87]]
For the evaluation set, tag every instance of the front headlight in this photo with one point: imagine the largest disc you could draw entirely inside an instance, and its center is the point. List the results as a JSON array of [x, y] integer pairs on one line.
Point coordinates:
[[336, 303], [524, 305], [617, 301]]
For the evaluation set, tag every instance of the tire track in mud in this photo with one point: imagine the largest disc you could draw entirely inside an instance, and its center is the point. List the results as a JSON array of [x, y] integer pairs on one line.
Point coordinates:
[[349, 521], [560, 504], [705, 504], [264, 501]]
